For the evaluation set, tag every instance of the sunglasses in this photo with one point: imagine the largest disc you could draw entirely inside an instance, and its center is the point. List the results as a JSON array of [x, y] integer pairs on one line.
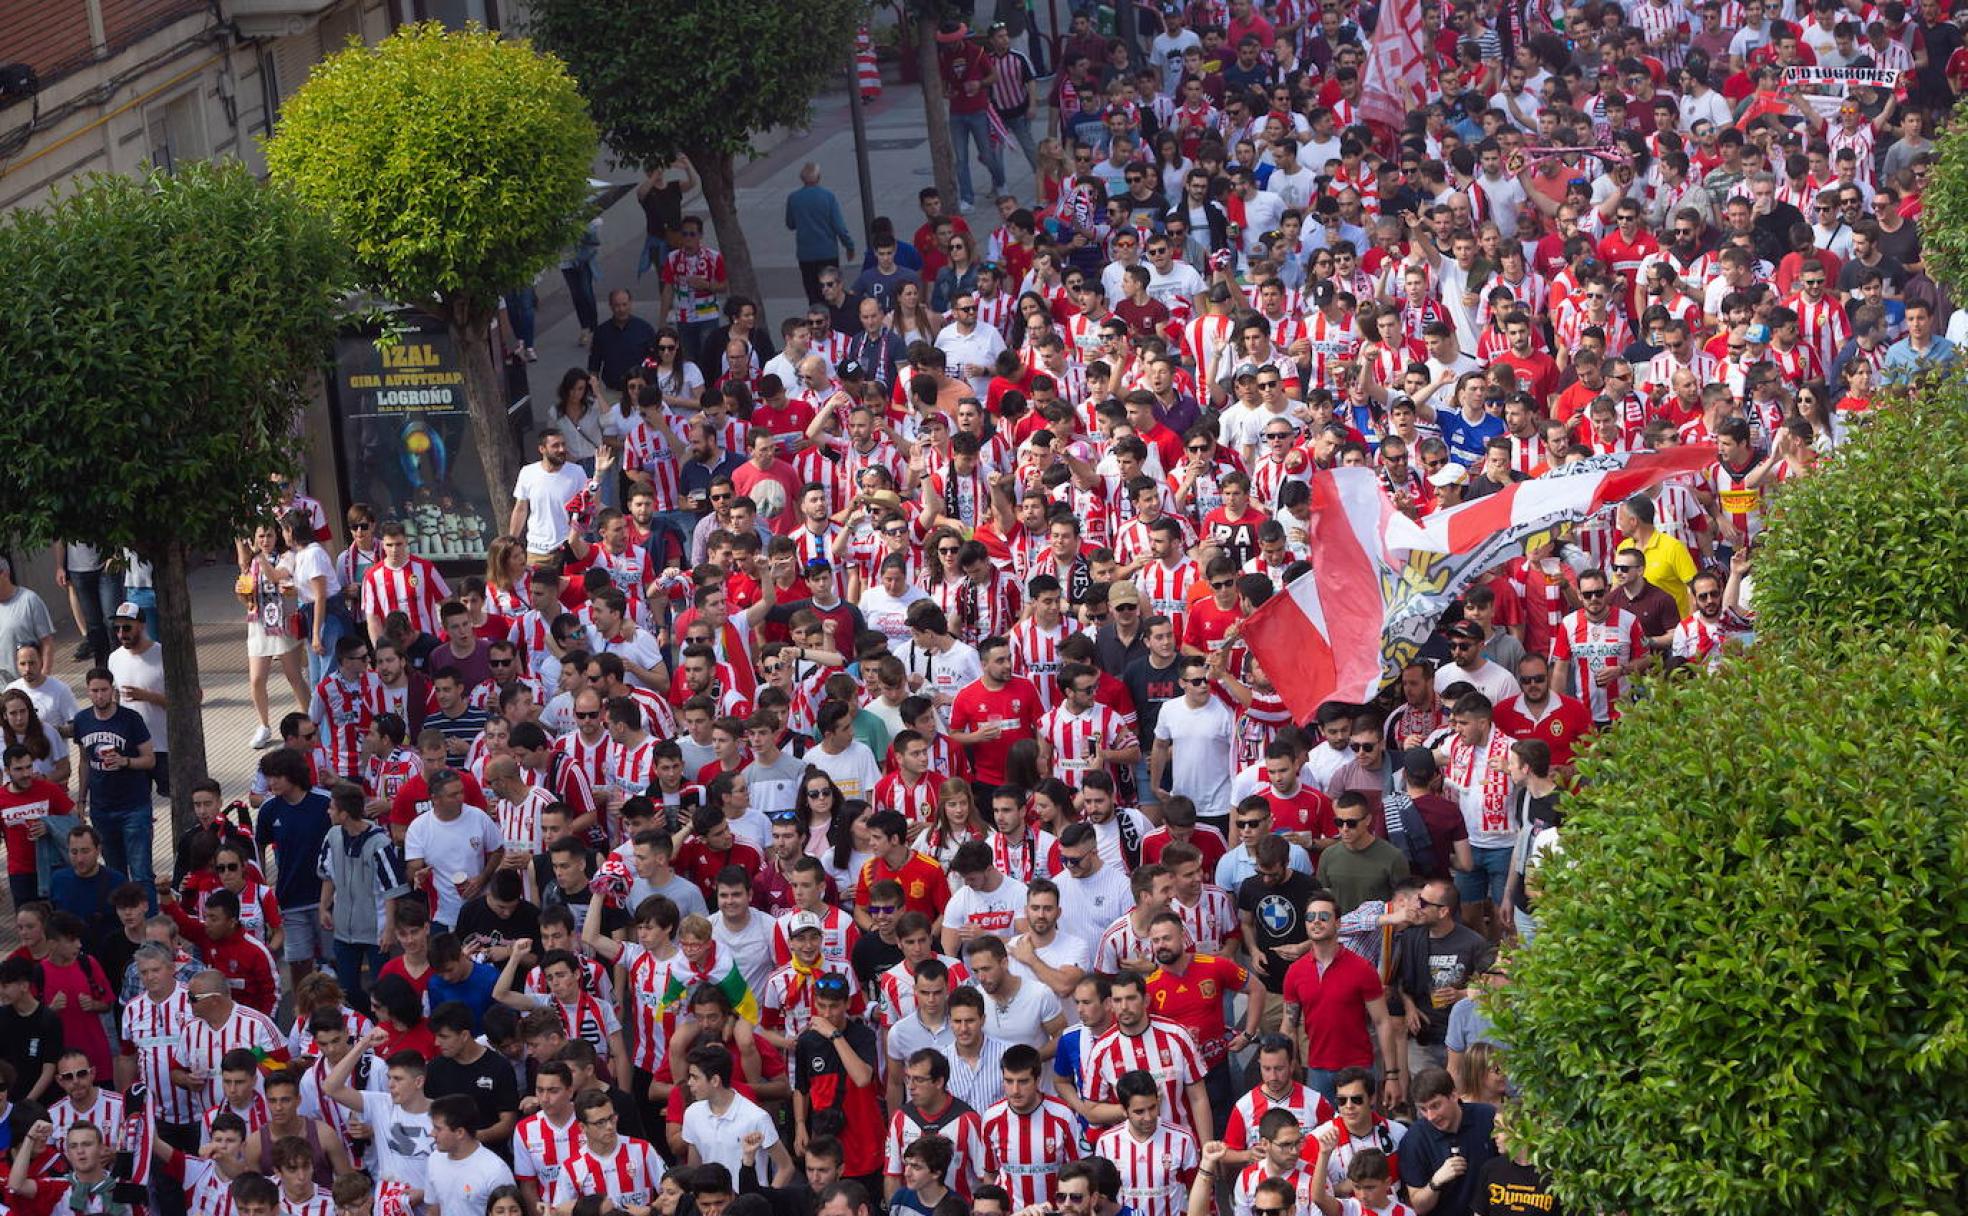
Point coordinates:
[[663, 347], [360, 527], [75, 1074], [881, 909], [229, 868], [1348, 823], [1593, 595], [1350, 1099]]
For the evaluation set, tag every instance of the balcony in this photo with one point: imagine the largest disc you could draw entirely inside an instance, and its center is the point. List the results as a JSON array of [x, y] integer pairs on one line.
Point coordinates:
[[275, 18]]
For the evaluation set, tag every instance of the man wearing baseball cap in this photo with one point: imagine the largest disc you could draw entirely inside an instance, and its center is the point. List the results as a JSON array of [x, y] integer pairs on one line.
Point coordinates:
[[1471, 665], [786, 1001]]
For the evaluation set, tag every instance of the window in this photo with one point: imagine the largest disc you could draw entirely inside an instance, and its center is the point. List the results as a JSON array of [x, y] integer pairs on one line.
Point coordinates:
[[175, 130]]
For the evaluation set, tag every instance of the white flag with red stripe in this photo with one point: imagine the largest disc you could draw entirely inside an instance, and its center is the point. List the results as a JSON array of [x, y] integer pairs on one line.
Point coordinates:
[[1396, 76], [1380, 581]]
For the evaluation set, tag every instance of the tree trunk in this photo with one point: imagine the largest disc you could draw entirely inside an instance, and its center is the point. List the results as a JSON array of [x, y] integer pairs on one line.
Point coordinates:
[[185, 718], [485, 397], [936, 111], [719, 175]]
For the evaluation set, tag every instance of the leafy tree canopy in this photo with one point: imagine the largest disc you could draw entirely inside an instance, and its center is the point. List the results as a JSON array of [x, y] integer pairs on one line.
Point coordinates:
[[1944, 211], [455, 164], [1874, 539], [159, 338], [670, 77], [1744, 995]]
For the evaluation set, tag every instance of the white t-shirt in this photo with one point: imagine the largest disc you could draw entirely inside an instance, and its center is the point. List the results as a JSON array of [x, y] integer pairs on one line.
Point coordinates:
[[1297, 188], [1200, 742], [306, 565], [1167, 51], [456, 850], [1175, 289], [981, 346], [403, 1140], [854, 769], [545, 495], [1492, 679], [889, 613], [1022, 1019], [54, 701], [1065, 950], [750, 947], [1088, 905], [146, 671], [461, 1188], [720, 1138], [992, 911]]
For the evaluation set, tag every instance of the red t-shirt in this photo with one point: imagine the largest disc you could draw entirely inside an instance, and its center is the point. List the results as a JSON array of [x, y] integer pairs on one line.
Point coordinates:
[[1307, 810], [1563, 729], [700, 865], [1207, 623], [925, 888], [1206, 839], [413, 797], [1194, 1000], [788, 422], [1015, 708], [18, 809], [1537, 370], [1334, 1001]]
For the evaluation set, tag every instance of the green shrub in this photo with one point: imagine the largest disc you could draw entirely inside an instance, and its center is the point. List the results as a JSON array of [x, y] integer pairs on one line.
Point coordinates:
[[1745, 997], [1876, 539]]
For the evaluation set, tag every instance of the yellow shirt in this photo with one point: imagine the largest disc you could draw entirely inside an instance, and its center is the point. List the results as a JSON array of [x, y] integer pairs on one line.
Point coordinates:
[[1669, 566]]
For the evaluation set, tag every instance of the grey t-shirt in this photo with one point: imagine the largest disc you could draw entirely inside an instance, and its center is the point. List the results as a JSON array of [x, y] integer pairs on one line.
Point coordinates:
[[24, 621], [775, 786]]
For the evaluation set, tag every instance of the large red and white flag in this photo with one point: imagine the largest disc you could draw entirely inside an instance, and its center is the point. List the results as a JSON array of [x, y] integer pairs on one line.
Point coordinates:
[[1396, 76], [1380, 581]]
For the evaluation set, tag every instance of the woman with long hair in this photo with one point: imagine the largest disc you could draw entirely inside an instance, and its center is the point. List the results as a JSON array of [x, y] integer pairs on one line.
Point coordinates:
[[912, 318], [1479, 1075], [959, 274], [956, 820], [577, 413], [323, 610], [1022, 765], [269, 635], [942, 574], [848, 844], [1052, 802], [74, 986], [35, 846], [819, 804], [508, 579], [20, 723], [1814, 405], [680, 381], [1171, 167]]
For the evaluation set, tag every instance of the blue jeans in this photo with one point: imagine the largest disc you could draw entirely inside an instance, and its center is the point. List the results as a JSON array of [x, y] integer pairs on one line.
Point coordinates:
[[334, 629], [100, 592], [145, 598], [654, 250], [1021, 130], [677, 523], [51, 851], [966, 129], [580, 278], [521, 306], [1485, 883], [349, 957], [1321, 1079], [128, 840]]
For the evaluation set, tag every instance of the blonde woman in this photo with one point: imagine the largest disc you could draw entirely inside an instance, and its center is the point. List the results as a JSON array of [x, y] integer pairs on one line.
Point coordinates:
[[508, 580]]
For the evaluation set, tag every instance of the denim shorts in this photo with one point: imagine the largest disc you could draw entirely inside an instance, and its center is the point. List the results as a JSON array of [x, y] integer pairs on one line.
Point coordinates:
[[1485, 883], [303, 940]]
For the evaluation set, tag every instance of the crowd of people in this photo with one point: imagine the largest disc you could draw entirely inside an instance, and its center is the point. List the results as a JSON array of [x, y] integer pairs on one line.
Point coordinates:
[[846, 788]]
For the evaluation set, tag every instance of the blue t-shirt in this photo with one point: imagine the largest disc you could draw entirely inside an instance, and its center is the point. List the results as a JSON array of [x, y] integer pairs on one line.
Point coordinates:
[[123, 789], [475, 992], [1466, 439], [295, 830]]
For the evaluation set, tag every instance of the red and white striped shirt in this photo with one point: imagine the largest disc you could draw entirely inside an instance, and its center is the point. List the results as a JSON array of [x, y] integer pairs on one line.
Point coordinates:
[[1118, 944], [542, 1151], [970, 1164], [320, 1203], [647, 977], [1244, 1191], [1155, 1173], [255, 1116], [1595, 647], [915, 803], [628, 1174], [1030, 1147], [1036, 856], [838, 934], [1212, 922], [519, 822], [207, 1192], [979, 612], [343, 711], [1077, 739], [1035, 655], [383, 776], [597, 759], [1166, 588], [786, 1000], [150, 1030], [1164, 1050], [1306, 1104], [200, 1047], [106, 1112], [644, 450], [416, 588], [632, 770]]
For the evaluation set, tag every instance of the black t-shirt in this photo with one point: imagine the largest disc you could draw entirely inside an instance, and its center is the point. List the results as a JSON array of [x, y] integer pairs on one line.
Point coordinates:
[[27, 1043], [1505, 1188], [115, 950], [1278, 916], [487, 1081], [477, 919], [1150, 685], [872, 956], [1424, 962]]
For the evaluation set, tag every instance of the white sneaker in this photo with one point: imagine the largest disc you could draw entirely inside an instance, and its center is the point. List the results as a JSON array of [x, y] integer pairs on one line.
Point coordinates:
[[262, 737]]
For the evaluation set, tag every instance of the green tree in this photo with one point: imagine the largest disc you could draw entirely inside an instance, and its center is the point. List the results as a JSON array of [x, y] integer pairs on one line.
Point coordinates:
[[665, 78], [1744, 994], [1873, 540], [1944, 211], [455, 165], [161, 337]]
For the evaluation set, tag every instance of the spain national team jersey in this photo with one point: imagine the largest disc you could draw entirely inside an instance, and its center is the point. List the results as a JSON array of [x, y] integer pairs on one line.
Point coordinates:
[[1194, 1000]]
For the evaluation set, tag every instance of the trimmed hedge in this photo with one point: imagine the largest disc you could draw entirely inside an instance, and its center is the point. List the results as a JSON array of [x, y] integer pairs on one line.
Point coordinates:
[[1878, 539], [1746, 995]]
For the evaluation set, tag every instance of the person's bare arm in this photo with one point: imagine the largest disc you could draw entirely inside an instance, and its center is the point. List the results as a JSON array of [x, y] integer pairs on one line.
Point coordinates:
[[502, 989]]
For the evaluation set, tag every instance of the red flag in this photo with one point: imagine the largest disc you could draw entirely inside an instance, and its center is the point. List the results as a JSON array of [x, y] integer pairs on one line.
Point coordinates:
[[1321, 638], [1396, 76]]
